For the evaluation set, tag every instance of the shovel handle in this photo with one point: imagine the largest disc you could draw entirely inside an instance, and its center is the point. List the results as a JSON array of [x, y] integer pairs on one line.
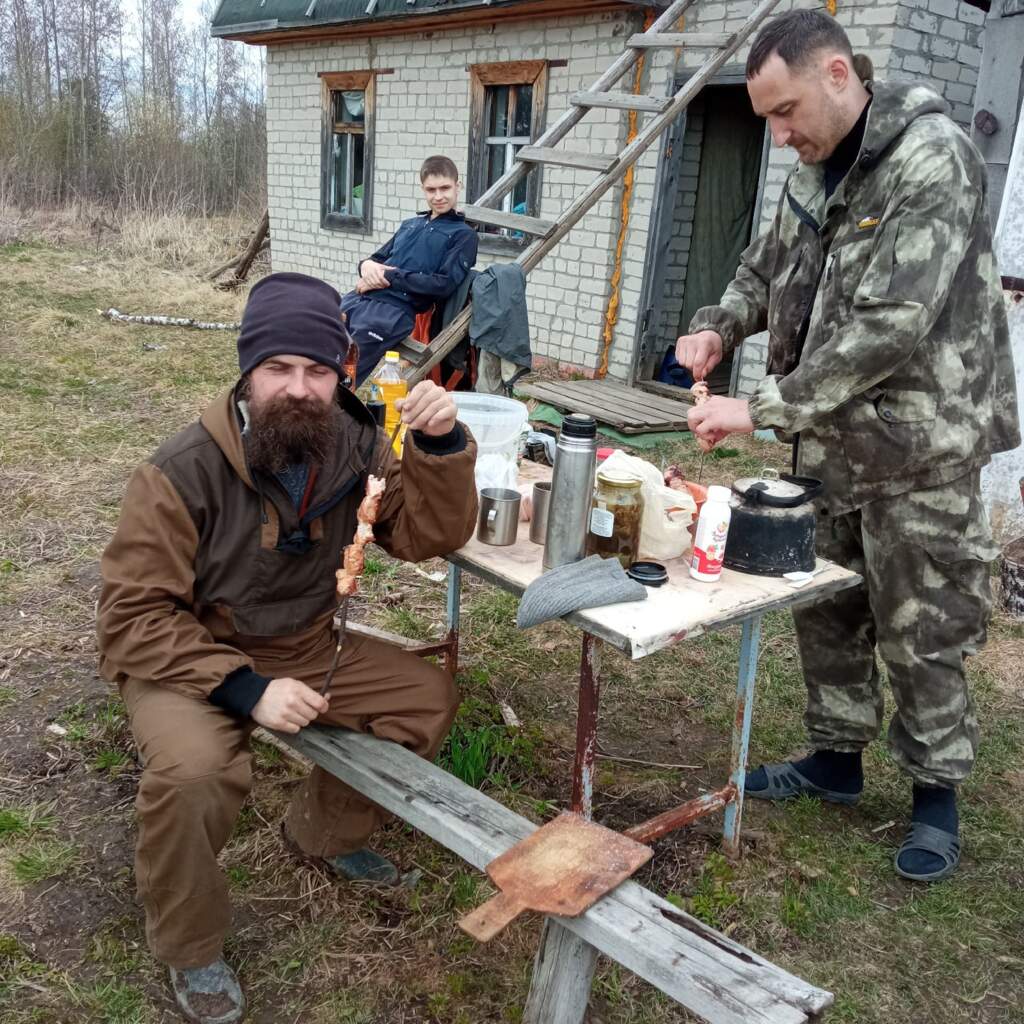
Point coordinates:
[[491, 917]]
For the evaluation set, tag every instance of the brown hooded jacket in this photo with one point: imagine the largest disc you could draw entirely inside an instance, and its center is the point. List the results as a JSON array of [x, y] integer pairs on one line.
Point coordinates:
[[213, 585]]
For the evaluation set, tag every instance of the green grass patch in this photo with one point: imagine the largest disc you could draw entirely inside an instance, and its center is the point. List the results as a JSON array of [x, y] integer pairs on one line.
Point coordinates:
[[42, 859], [113, 762], [16, 822], [111, 950], [480, 749], [713, 896], [112, 1002], [407, 623], [346, 1008]]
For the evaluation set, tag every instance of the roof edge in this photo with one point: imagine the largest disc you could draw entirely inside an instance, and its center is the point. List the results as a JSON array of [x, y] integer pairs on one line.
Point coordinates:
[[264, 33]]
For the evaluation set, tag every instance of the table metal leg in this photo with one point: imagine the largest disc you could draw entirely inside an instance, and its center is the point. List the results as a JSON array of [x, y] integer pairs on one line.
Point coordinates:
[[586, 727], [451, 657], [564, 968], [749, 649]]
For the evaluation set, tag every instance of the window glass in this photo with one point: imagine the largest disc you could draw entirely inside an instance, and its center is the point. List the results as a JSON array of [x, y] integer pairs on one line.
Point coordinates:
[[347, 170], [510, 116], [506, 114]]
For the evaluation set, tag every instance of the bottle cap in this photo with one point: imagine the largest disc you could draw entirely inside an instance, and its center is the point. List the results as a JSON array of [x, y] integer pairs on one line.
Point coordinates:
[[391, 357], [578, 424], [650, 574], [619, 479], [718, 493]]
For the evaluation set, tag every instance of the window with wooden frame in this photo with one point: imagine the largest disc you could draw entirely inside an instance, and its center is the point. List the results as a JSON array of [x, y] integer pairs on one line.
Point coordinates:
[[346, 188], [507, 105]]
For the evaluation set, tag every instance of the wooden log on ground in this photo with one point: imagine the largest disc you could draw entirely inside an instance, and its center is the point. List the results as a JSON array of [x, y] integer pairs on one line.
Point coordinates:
[[234, 261], [242, 270]]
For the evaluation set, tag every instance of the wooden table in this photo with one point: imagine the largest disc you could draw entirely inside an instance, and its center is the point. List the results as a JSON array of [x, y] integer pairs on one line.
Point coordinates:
[[682, 609]]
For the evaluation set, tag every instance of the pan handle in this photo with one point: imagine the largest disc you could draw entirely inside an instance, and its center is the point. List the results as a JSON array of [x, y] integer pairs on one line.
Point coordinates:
[[491, 917]]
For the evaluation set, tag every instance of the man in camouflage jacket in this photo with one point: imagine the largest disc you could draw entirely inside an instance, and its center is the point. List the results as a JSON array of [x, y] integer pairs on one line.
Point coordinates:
[[890, 366]]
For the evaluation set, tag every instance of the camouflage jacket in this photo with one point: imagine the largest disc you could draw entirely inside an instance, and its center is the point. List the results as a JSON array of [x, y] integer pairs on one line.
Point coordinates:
[[905, 379]]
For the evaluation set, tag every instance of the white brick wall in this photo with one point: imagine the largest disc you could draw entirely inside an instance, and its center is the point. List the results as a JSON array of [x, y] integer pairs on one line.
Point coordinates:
[[423, 108]]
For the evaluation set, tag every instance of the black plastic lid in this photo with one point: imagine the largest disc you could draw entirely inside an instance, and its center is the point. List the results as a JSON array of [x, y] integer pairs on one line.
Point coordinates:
[[579, 424], [650, 574]]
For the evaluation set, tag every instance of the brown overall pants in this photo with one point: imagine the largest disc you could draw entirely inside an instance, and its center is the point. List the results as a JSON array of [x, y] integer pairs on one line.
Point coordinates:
[[198, 772]]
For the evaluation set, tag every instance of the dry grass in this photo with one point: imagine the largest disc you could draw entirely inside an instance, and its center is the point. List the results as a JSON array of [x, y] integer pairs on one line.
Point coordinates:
[[162, 237]]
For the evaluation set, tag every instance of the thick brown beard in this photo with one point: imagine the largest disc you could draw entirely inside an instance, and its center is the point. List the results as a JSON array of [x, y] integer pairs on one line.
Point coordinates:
[[288, 431]]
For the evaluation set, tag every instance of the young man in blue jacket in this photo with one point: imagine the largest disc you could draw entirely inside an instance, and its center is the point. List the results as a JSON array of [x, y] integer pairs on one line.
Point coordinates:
[[421, 264]]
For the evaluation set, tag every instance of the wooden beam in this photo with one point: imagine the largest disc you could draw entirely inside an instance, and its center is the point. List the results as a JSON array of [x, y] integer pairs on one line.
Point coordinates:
[[621, 101], [513, 221], [672, 40], [566, 158], [509, 72]]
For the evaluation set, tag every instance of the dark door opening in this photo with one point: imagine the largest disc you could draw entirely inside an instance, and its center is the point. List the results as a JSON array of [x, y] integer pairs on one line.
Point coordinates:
[[715, 202]]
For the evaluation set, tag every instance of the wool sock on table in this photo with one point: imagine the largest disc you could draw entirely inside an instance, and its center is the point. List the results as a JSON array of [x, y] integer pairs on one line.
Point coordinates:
[[830, 769], [935, 806]]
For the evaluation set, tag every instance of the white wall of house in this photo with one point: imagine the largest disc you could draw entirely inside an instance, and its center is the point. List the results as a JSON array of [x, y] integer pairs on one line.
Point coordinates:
[[1003, 478]]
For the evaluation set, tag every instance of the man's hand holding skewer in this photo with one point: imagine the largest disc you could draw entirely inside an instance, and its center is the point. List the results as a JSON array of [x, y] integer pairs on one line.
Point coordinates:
[[288, 705], [712, 417], [719, 417], [429, 409]]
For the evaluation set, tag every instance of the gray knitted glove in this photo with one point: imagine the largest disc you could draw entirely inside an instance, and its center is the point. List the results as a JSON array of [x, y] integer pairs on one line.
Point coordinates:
[[594, 582]]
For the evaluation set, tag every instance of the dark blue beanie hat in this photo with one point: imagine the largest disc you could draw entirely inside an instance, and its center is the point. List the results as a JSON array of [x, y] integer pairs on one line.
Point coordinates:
[[295, 315]]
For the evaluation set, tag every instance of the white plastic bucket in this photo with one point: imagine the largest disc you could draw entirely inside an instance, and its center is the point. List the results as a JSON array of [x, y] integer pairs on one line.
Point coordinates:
[[498, 424]]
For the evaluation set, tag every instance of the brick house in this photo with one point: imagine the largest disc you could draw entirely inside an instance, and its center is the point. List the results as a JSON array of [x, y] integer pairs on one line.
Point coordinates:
[[359, 91]]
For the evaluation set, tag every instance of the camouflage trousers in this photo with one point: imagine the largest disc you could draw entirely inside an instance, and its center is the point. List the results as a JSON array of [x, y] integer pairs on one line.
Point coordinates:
[[924, 606]]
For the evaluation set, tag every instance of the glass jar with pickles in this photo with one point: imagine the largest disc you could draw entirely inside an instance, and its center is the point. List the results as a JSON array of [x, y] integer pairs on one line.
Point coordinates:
[[615, 517]]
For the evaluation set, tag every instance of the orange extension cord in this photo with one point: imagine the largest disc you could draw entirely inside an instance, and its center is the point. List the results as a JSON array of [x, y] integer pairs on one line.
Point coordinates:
[[611, 313]]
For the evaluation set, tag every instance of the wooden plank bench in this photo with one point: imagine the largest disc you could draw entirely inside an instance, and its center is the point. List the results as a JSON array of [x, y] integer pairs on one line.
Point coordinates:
[[709, 974]]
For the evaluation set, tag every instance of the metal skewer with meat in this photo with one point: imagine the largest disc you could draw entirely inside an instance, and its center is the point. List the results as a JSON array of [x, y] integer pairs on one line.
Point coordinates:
[[352, 562]]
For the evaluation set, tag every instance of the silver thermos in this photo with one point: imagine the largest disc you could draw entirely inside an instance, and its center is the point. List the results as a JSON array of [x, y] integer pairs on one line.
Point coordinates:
[[572, 491]]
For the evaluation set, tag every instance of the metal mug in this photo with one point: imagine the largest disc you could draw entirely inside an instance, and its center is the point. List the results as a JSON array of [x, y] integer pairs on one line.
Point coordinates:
[[539, 516], [498, 520]]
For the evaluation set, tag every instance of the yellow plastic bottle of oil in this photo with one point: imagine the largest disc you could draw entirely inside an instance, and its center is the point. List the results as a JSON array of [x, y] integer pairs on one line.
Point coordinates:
[[392, 387]]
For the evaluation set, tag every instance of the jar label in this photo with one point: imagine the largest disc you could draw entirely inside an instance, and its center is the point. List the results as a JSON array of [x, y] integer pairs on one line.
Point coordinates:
[[710, 561], [602, 522]]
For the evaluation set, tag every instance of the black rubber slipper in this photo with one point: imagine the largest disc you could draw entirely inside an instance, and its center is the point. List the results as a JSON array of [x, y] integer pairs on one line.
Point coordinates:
[[785, 783], [931, 840]]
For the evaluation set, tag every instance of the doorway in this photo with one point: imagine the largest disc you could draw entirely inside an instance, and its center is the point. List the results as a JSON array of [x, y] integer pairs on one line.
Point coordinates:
[[708, 217]]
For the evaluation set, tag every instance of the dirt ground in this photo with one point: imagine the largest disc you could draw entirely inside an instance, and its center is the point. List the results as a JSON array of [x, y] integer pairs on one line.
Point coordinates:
[[81, 402]]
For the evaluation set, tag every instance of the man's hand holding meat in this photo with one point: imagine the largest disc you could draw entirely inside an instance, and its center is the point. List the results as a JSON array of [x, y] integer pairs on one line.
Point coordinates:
[[219, 589], [718, 417]]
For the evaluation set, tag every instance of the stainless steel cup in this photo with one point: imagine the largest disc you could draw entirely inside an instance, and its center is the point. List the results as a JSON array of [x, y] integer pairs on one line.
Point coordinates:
[[499, 516], [539, 517]]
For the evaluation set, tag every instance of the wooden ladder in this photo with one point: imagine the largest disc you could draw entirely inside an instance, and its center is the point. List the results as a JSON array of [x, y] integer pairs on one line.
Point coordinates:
[[662, 111]]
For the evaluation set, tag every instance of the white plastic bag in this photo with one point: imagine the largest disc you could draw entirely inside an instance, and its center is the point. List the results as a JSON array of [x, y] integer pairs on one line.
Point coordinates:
[[663, 534], [495, 469]]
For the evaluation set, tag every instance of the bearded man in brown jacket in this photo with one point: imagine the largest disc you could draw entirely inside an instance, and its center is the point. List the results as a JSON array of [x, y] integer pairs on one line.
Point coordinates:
[[215, 615]]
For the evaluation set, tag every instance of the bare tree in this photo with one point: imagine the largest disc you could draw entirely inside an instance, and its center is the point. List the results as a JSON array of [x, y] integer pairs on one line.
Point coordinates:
[[127, 106]]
